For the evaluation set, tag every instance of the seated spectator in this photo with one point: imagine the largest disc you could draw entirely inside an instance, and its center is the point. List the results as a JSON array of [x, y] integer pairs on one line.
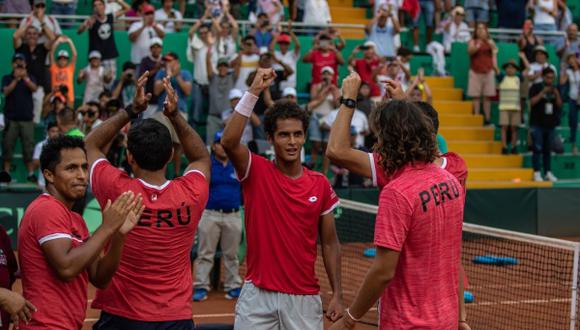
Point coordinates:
[[220, 84], [455, 29], [142, 32], [67, 120], [382, 30], [366, 65], [200, 39], [9, 301], [152, 63], [570, 78], [545, 13], [95, 76], [273, 9], [419, 89], [541, 62], [263, 31], [226, 30], [403, 59], [316, 12], [101, 33], [546, 107], [323, 54], [569, 44], [124, 88], [286, 55], [428, 13], [52, 131], [62, 69], [53, 103], [166, 14], [510, 112], [90, 114], [47, 25], [246, 62], [511, 13], [248, 135], [476, 11], [18, 88]]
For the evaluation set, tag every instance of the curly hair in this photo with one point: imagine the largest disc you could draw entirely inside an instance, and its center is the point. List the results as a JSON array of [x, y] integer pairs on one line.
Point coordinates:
[[404, 135], [284, 109], [50, 156]]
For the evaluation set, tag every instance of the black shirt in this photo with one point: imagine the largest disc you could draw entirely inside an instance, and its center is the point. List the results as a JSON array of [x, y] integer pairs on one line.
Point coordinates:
[[36, 64], [18, 105], [102, 38], [545, 113], [260, 107]]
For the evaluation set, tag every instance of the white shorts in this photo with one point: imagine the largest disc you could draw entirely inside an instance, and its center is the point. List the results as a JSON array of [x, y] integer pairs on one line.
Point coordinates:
[[259, 309]]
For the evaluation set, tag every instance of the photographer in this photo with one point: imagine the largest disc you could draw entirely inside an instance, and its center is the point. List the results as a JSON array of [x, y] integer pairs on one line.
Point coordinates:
[[166, 15], [263, 31], [323, 54], [124, 88], [53, 103], [382, 30], [366, 65]]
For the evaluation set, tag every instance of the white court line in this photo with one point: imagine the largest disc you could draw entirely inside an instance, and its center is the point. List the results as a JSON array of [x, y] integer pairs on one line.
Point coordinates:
[[518, 302]]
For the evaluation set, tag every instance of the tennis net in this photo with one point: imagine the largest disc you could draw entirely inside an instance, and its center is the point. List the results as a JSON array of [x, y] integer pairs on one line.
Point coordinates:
[[518, 281]]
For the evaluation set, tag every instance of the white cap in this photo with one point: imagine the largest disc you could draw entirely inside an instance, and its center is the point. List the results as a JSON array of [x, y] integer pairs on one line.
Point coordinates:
[[289, 91], [156, 41], [327, 69], [235, 94], [370, 44], [62, 53], [95, 54]]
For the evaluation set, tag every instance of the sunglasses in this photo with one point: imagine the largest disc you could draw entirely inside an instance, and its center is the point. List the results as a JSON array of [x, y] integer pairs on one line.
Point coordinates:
[[40, 5], [91, 114]]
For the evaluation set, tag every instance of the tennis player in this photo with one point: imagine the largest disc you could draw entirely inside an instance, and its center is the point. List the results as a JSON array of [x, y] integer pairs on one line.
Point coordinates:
[[57, 256], [153, 285], [286, 207]]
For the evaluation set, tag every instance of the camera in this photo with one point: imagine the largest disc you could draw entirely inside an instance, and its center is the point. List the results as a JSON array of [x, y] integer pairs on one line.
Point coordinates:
[[19, 66], [265, 23], [63, 89]]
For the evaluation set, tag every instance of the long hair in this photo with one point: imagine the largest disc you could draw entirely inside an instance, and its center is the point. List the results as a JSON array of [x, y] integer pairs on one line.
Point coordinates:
[[404, 135], [487, 37]]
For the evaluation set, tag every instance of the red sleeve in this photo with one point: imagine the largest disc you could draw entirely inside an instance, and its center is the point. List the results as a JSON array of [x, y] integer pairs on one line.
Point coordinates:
[[105, 179], [197, 187], [6, 245], [393, 220], [256, 164], [330, 200], [54, 226], [378, 174], [457, 167]]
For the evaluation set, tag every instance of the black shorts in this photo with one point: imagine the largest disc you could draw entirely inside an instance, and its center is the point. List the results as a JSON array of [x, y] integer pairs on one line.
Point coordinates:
[[113, 322]]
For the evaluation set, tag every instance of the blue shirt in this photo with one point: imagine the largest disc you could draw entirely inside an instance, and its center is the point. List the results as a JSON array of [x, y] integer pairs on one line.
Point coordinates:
[[182, 98], [224, 188]]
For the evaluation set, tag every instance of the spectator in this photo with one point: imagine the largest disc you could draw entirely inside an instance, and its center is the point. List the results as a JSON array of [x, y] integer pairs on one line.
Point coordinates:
[[8, 269], [366, 65], [234, 97], [226, 32], [387, 5], [18, 88], [364, 102], [52, 131], [510, 113], [388, 70], [323, 54], [297, 10], [382, 30], [96, 77], [166, 14], [455, 29], [141, 33], [570, 75], [215, 8], [90, 114], [62, 69], [316, 12], [528, 41], [246, 62], [63, 7], [477, 11], [153, 64], [419, 89], [104, 98], [343, 178], [53, 103], [286, 55], [404, 61], [428, 14], [511, 13], [273, 9], [335, 37], [200, 39], [541, 62], [220, 223], [545, 13], [47, 25], [220, 84], [564, 18], [101, 33], [181, 81], [35, 54], [263, 32], [15, 7], [359, 125], [482, 52], [124, 88], [545, 112], [570, 43], [324, 97], [66, 120]]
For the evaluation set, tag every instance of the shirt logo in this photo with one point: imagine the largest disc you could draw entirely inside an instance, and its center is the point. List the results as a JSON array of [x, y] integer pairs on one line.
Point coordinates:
[[312, 199]]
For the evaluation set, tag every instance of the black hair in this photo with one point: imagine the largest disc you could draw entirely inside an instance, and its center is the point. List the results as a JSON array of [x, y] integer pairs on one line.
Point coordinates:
[[51, 125], [129, 65], [173, 55], [404, 52], [66, 116], [430, 112], [50, 156], [113, 103], [249, 37], [284, 109], [150, 144], [324, 37], [262, 14], [547, 71], [105, 93], [94, 104]]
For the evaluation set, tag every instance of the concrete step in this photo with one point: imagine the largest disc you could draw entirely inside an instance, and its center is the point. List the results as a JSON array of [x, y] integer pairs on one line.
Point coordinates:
[[453, 106], [493, 161], [340, 3], [474, 147], [339, 13], [446, 119], [440, 82], [506, 184], [447, 94], [500, 174], [460, 133]]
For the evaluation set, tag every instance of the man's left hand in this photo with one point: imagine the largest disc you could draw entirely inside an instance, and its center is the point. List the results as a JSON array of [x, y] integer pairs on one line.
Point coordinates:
[[141, 100]]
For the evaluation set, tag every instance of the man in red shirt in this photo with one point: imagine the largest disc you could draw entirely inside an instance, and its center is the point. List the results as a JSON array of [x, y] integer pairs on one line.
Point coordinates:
[[286, 205], [324, 53], [152, 288], [57, 256], [368, 66]]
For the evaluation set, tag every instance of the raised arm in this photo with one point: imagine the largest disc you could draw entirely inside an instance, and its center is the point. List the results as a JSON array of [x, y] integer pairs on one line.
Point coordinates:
[[294, 38], [125, 7], [73, 50], [19, 34]]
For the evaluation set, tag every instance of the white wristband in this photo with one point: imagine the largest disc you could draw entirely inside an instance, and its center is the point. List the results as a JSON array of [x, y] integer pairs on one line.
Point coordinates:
[[350, 315], [246, 104]]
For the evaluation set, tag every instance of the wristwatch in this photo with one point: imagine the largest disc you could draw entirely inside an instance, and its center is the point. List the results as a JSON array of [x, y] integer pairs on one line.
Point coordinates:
[[132, 114], [348, 102]]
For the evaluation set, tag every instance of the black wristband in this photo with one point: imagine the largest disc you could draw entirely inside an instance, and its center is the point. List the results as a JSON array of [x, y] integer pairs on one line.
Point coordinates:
[[348, 102], [129, 110]]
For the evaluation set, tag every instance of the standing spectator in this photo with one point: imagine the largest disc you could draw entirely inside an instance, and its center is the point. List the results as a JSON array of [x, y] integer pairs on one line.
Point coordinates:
[[96, 77], [569, 43], [124, 88], [246, 62], [220, 223], [15, 7], [316, 12], [18, 88], [541, 62], [64, 7], [510, 112], [263, 31], [90, 114], [153, 64], [571, 76], [511, 13], [477, 11], [483, 62], [455, 29], [428, 14], [545, 13], [47, 25], [323, 54], [419, 89], [8, 269], [52, 131], [545, 112], [528, 41], [200, 39], [564, 18], [62, 69], [35, 54], [141, 33], [286, 55], [235, 96], [101, 33], [166, 14], [273, 9], [382, 30], [226, 32], [220, 84], [366, 65]]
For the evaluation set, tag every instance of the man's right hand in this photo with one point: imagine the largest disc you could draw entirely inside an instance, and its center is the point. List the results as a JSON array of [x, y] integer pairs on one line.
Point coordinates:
[[115, 213], [262, 80], [351, 85], [395, 90], [170, 108], [14, 304], [141, 100]]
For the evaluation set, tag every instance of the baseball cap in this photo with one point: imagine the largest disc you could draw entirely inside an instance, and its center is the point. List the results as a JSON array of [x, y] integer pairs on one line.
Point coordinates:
[[95, 54], [328, 69], [235, 94], [218, 136], [18, 56], [284, 38], [146, 9], [289, 91], [223, 61], [540, 48], [156, 41], [511, 63], [62, 53], [370, 44], [170, 57], [458, 11]]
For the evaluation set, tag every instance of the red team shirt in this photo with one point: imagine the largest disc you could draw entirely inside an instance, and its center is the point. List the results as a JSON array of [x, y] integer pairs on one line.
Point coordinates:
[[319, 61], [421, 215], [154, 281], [61, 305], [282, 217], [365, 69]]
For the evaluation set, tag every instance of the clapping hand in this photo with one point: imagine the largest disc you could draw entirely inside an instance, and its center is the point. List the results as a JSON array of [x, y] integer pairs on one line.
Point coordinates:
[[141, 100], [170, 104]]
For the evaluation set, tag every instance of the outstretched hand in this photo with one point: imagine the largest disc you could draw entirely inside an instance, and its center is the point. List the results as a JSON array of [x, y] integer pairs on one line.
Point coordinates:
[[262, 80], [170, 104], [133, 217], [141, 100]]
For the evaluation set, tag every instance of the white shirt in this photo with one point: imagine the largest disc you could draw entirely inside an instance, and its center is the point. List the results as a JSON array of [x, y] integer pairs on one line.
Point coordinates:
[[291, 60], [537, 67], [395, 4], [540, 16], [112, 8], [455, 34], [36, 156], [224, 47], [574, 81], [316, 12], [161, 15], [51, 24], [359, 122], [248, 65], [140, 48], [95, 83]]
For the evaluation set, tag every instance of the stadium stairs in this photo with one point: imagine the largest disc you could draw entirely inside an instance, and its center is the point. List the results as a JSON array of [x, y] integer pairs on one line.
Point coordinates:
[[344, 11]]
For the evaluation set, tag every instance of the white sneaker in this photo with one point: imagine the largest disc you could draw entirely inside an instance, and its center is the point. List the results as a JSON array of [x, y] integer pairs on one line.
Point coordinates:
[[416, 49], [538, 177], [550, 177]]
